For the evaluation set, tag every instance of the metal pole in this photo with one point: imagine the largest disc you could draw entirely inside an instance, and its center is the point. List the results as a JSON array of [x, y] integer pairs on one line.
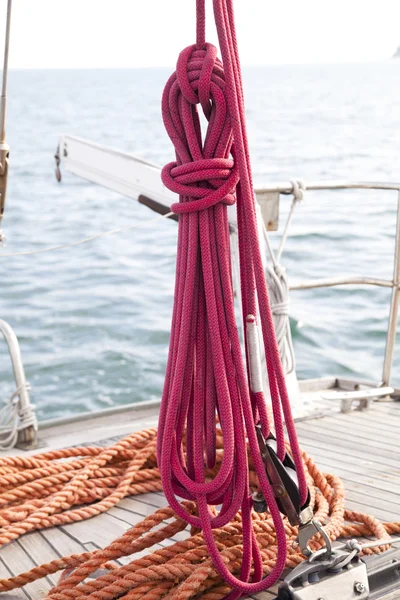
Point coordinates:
[[287, 188], [16, 361], [3, 99], [4, 147], [26, 436], [394, 305], [322, 283]]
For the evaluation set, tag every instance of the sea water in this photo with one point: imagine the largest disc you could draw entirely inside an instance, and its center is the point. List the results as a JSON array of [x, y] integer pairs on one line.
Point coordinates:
[[93, 321]]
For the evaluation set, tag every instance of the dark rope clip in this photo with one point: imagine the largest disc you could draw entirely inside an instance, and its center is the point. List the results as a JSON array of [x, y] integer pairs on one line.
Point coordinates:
[[3, 191], [283, 479], [58, 161]]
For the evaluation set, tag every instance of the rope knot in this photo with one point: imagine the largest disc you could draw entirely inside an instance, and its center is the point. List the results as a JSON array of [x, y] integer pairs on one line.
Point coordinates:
[[280, 271], [280, 309], [206, 182], [298, 189], [196, 70], [205, 173]]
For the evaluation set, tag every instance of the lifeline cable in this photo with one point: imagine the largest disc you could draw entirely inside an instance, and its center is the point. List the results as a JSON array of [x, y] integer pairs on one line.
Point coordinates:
[[205, 372]]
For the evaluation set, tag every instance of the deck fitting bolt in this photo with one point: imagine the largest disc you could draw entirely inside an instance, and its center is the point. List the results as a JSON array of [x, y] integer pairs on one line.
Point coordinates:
[[359, 587]]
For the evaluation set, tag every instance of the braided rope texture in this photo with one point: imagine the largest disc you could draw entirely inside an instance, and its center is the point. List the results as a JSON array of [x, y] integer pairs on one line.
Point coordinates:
[[74, 484], [207, 372]]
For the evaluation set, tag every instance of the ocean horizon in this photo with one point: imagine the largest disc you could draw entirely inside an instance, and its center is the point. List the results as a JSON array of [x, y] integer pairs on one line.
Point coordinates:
[[93, 321]]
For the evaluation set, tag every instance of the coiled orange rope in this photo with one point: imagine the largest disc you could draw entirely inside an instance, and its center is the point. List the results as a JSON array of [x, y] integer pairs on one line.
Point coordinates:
[[74, 484]]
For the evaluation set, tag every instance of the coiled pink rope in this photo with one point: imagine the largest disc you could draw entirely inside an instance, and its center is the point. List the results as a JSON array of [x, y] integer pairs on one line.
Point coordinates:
[[205, 373]]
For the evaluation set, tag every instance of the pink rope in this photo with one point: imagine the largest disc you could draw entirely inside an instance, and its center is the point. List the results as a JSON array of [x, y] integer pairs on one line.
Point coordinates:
[[205, 372]]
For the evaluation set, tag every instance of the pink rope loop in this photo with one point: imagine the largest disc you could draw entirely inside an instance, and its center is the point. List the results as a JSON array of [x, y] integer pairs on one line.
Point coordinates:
[[207, 172], [200, 23], [206, 375]]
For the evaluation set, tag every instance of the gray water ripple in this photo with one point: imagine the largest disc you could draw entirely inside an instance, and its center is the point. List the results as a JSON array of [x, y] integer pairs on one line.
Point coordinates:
[[93, 320]]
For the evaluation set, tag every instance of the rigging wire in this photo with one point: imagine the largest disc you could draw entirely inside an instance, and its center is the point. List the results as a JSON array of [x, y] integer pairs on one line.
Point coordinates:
[[88, 239]]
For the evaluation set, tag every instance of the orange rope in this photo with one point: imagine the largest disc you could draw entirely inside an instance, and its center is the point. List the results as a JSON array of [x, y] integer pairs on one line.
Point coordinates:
[[64, 486]]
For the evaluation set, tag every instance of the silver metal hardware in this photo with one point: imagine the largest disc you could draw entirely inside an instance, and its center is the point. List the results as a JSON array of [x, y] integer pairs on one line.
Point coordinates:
[[307, 530], [375, 543], [383, 574], [26, 436], [342, 575], [354, 544], [360, 398], [287, 187], [254, 354], [306, 515], [313, 284], [359, 587], [394, 305], [345, 575]]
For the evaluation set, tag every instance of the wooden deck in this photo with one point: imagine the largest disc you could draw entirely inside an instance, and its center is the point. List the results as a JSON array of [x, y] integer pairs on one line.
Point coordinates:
[[361, 447]]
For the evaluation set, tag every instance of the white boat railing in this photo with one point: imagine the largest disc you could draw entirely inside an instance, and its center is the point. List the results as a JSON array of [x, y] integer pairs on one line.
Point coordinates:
[[394, 283], [18, 423]]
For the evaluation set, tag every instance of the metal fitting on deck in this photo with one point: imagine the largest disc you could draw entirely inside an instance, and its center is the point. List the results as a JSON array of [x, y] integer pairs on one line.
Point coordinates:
[[327, 577]]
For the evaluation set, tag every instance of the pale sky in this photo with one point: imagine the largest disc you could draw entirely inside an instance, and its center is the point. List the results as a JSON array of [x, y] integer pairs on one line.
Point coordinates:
[[150, 33]]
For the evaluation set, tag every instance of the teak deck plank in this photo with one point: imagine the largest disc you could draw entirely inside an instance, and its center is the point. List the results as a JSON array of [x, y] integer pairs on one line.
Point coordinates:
[[39, 550], [17, 561], [347, 464], [5, 573], [339, 452], [137, 506], [62, 543], [100, 530], [363, 448]]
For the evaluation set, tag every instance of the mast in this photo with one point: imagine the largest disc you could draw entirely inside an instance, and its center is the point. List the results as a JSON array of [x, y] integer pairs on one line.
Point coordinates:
[[4, 147]]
